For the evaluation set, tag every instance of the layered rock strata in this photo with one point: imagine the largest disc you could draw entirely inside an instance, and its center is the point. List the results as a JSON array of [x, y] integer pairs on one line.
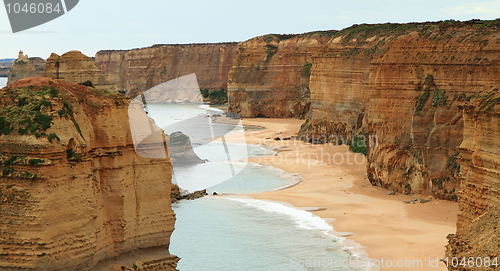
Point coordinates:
[[138, 70], [75, 67], [74, 195], [395, 88], [25, 66], [478, 224], [270, 76]]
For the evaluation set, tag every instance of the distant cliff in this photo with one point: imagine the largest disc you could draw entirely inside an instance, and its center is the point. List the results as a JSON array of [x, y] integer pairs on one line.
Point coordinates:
[[74, 195], [75, 67], [25, 66], [137, 70], [5, 66], [271, 75]]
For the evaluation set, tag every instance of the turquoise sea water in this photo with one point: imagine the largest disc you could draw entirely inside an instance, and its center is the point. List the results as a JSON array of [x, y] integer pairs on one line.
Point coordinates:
[[238, 233]]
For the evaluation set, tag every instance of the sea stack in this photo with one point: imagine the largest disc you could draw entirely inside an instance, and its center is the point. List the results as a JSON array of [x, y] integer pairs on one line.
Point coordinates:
[[74, 195]]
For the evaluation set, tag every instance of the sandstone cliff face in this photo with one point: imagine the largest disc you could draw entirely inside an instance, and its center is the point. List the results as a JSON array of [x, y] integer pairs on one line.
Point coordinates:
[[478, 224], [75, 67], [74, 195], [399, 87], [25, 66], [270, 76], [138, 70]]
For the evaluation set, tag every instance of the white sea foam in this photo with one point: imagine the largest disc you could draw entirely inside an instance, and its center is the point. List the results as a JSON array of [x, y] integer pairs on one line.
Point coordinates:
[[208, 108], [306, 221]]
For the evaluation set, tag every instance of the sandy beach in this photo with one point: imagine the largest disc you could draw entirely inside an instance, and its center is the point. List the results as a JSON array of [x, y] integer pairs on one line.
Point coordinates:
[[399, 235]]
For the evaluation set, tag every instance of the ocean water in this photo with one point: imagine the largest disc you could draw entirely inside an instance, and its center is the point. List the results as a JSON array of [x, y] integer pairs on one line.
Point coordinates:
[[230, 232], [3, 82]]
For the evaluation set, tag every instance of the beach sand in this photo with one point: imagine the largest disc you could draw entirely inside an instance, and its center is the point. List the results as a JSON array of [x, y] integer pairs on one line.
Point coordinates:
[[393, 232]]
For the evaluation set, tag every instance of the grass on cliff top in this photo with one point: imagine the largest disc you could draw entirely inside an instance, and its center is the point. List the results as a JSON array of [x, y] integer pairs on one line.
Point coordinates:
[[365, 31], [22, 110]]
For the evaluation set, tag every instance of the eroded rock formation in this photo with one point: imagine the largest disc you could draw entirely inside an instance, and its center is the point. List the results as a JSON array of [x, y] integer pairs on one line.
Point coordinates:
[[478, 224], [25, 66], [138, 70], [180, 149], [74, 195], [75, 67]]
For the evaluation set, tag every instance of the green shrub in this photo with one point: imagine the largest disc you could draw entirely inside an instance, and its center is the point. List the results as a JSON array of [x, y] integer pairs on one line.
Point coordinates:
[[36, 161], [306, 70], [43, 120], [7, 170], [22, 102], [4, 126], [359, 144], [438, 97], [204, 93], [53, 136], [53, 92], [11, 161], [422, 100], [33, 128], [71, 155], [6, 130], [271, 50]]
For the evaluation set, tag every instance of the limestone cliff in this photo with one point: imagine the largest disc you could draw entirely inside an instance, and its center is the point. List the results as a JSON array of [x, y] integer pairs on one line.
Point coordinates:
[[137, 70], [397, 86], [270, 76], [478, 224], [75, 67], [74, 195], [25, 66]]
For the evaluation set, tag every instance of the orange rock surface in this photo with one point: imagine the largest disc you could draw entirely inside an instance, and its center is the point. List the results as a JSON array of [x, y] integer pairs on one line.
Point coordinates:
[[138, 70], [74, 195], [75, 67], [478, 229]]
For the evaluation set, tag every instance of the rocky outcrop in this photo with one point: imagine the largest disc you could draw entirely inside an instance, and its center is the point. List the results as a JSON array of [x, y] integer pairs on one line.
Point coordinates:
[[25, 66], [138, 70], [178, 194], [181, 151], [478, 224], [75, 67], [74, 194]]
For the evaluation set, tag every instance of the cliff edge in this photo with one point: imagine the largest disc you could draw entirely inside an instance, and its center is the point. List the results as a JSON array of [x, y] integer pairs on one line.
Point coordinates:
[[75, 67], [74, 195]]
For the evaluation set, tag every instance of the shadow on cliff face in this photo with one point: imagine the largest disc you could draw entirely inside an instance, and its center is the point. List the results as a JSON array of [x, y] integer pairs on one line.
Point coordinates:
[[199, 129]]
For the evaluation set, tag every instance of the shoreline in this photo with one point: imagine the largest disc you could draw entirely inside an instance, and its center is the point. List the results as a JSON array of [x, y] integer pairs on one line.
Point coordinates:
[[383, 227]]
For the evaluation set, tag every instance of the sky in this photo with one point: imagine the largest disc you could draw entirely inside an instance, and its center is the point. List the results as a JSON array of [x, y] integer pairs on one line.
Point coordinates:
[[95, 25]]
